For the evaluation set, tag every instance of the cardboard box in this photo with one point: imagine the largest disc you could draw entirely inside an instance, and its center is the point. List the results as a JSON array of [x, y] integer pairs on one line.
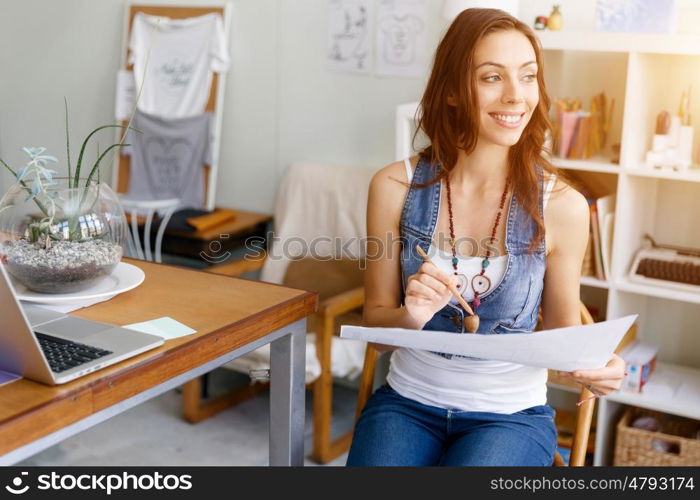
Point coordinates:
[[640, 361]]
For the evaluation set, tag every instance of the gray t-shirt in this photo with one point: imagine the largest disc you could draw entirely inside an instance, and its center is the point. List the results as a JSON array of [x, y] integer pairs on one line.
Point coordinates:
[[167, 158]]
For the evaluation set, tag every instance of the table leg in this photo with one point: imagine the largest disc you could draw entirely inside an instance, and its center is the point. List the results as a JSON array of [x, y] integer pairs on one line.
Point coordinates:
[[287, 395]]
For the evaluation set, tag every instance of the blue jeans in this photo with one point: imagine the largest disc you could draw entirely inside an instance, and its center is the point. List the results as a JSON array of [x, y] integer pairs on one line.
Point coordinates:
[[394, 430]]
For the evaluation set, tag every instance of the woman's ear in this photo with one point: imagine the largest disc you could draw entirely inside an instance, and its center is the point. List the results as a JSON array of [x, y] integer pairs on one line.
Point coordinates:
[[452, 100]]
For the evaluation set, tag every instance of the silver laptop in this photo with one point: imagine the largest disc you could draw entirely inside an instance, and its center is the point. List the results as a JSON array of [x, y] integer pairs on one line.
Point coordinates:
[[54, 348]]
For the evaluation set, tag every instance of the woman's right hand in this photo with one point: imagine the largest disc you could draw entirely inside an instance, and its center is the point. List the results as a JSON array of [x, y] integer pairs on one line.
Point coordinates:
[[427, 293]]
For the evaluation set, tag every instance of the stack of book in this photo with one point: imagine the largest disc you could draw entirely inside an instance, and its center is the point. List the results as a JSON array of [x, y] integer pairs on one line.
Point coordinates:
[[580, 134], [598, 254]]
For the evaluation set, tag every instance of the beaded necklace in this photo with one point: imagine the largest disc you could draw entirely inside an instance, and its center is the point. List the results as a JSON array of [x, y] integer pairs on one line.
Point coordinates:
[[480, 283]]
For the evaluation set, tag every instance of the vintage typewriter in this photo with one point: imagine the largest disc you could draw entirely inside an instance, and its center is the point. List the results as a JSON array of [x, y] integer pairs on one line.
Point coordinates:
[[660, 264]]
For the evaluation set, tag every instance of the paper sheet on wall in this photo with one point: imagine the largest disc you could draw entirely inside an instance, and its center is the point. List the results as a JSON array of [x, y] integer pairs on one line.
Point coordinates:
[[402, 38], [349, 36], [567, 349]]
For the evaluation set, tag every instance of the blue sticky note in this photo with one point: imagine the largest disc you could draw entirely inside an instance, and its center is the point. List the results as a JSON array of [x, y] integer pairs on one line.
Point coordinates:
[[165, 327]]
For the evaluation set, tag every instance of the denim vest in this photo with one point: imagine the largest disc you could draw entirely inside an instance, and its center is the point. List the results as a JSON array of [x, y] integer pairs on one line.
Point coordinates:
[[511, 306]]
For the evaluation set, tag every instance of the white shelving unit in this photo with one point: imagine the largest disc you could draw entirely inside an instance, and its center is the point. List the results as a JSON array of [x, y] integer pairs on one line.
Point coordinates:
[[645, 74], [594, 282]]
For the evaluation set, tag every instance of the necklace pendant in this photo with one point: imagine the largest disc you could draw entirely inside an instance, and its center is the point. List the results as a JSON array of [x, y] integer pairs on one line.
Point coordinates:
[[471, 323], [462, 282], [481, 284]]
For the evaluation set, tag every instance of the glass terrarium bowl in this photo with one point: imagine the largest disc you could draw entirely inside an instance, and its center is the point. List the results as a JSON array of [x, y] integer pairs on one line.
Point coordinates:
[[62, 240]]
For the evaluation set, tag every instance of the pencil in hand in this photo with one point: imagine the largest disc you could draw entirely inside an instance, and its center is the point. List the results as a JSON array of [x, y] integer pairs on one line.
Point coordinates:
[[471, 323]]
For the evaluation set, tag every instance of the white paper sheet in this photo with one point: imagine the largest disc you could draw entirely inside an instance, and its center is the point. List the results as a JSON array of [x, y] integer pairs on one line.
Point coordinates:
[[567, 349], [165, 327], [402, 38], [349, 36]]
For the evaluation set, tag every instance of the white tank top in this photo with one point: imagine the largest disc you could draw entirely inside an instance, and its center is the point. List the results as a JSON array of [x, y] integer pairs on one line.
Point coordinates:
[[467, 384]]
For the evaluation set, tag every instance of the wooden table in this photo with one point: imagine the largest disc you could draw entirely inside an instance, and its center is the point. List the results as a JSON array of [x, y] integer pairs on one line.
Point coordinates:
[[232, 317]]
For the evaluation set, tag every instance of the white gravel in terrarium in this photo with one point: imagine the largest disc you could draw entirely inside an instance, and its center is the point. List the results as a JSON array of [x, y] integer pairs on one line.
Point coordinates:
[[51, 270]]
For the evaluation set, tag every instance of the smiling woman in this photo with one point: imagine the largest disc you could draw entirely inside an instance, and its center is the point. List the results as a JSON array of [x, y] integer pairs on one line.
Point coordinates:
[[484, 111]]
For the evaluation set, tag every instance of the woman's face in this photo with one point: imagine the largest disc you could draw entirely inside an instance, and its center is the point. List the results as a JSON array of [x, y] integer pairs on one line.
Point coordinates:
[[507, 88]]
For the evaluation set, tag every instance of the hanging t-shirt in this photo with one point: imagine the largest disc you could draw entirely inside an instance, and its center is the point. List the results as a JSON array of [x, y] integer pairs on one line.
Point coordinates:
[[184, 53], [167, 158]]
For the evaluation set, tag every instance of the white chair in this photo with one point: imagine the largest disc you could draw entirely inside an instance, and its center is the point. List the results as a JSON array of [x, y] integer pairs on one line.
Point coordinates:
[[145, 211]]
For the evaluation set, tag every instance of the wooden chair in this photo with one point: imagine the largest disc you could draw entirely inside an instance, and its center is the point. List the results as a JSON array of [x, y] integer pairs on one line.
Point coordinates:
[[339, 283], [584, 412], [335, 308]]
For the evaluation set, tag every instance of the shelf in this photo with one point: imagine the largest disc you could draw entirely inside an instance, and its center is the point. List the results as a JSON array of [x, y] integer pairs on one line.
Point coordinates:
[[594, 282], [679, 292], [595, 164], [671, 389], [594, 41], [692, 175]]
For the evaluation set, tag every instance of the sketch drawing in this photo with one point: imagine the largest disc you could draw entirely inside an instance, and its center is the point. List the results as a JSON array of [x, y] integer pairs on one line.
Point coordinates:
[[641, 16], [401, 33], [349, 35], [401, 38]]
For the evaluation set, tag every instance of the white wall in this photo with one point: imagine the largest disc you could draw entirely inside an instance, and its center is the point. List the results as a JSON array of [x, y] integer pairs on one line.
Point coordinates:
[[281, 104], [336, 117], [49, 50]]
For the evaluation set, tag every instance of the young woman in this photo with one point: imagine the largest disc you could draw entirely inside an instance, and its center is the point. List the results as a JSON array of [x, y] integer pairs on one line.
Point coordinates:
[[483, 202]]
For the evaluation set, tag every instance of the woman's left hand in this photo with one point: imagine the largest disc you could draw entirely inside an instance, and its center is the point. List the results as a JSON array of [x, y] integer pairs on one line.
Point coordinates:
[[600, 381]]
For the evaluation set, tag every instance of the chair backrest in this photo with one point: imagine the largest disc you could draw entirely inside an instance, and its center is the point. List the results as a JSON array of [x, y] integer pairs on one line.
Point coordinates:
[[320, 214], [584, 412], [328, 277], [144, 211]]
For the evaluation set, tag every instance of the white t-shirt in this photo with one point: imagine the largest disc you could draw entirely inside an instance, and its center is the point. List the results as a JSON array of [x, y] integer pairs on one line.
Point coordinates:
[[184, 53]]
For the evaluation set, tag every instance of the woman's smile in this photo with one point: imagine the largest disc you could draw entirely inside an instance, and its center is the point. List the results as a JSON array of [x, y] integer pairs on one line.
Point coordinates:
[[508, 119]]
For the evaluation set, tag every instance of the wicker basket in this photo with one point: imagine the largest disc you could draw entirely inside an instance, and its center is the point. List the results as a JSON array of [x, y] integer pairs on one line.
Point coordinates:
[[635, 446]]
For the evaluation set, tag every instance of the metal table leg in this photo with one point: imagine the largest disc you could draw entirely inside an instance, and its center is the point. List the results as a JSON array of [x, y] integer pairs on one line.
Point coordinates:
[[287, 395]]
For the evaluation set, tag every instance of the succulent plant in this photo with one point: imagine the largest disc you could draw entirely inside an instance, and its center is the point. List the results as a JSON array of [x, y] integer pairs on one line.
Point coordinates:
[[37, 179]]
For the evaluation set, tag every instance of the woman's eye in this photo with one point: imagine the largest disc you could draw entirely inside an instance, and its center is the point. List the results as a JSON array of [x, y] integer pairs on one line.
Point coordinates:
[[492, 78], [530, 77]]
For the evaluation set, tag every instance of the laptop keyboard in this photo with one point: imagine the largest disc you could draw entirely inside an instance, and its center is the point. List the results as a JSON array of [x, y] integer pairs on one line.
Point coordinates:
[[64, 354]]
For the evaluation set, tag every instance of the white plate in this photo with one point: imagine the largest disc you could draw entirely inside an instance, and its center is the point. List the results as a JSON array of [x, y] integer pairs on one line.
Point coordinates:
[[123, 278]]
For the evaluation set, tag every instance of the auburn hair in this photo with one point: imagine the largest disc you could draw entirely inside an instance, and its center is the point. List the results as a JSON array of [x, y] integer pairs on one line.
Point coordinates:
[[451, 128]]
